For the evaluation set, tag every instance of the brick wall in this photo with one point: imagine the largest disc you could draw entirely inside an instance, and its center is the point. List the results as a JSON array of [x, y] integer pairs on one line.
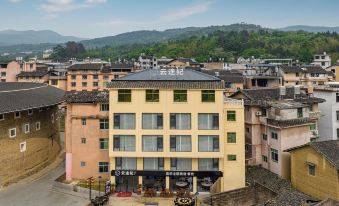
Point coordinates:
[[42, 146]]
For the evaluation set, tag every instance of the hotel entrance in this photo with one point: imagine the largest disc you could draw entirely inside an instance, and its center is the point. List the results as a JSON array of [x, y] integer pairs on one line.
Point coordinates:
[[126, 184]]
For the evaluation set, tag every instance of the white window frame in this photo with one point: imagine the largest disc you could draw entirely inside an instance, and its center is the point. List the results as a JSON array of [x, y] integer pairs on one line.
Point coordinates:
[[15, 117], [36, 126], [30, 112], [23, 146], [26, 131], [83, 142], [82, 164], [2, 117], [10, 136]]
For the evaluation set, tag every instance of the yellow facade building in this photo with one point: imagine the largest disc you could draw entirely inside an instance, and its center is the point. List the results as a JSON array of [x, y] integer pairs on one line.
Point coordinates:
[[315, 169], [172, 129]]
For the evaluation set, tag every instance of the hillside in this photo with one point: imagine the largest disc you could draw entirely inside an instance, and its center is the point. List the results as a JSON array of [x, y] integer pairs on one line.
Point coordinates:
[[146, 37], [12, 37], [230, 45], [314, 29]]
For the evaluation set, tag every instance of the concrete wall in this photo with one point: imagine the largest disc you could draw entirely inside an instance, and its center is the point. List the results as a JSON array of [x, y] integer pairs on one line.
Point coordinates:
[[42, 145], [13, 69], [324, 184], [328, 123]]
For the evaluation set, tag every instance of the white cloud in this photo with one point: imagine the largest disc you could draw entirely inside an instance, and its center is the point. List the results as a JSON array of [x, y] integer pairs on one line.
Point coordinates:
[[52, 7], [14, 1], [186, 12], [95, 1]]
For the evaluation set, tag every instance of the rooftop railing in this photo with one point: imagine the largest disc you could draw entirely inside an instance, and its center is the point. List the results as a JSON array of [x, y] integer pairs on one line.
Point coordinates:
[[230, 101]]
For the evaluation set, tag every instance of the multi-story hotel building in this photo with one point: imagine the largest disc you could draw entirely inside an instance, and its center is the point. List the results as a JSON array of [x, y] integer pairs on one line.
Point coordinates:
[[174, 128], [94, 76]]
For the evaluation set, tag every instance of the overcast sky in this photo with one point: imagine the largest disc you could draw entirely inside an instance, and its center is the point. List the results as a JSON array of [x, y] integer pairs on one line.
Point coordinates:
[[97, 18]]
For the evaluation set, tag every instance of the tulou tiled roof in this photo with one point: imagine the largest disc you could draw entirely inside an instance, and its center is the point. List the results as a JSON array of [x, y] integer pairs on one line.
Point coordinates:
[[86, 97], [168, 79], [329, 149], [18, 96]]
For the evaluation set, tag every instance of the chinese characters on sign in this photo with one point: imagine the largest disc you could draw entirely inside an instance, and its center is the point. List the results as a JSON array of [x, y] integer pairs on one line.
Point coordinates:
[[172, 71], [125, 173], [182, 174]]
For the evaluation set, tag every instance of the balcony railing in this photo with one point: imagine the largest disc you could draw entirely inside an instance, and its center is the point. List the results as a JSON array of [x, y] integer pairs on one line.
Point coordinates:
[[316, 114], [230, 101]]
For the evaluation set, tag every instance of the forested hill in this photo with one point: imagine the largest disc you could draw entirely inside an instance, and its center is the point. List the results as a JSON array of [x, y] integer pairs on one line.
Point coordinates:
[[230, 45], [147, 36]]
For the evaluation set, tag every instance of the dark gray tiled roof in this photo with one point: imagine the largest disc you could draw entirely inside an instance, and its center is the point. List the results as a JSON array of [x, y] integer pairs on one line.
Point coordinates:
[[39, 73], [226, 75], [86, 66], [184, 60], [16, 96], [156, 75], [86, 96], [289, 122], [255, 96], [314, 69], [121, 66], [291, 69], [287, 196], [152, 78], [329, 149]]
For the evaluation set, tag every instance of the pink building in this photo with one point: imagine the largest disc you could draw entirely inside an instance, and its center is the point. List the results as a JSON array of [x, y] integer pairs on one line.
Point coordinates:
[[86, 135], [9, 71], [275, 120]]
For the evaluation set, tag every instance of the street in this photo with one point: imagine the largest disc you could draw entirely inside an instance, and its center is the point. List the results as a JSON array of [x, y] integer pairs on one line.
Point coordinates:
[[40, 193]]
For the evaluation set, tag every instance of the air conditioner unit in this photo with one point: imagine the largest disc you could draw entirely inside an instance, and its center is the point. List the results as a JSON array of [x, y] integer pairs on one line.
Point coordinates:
[[258, 113]]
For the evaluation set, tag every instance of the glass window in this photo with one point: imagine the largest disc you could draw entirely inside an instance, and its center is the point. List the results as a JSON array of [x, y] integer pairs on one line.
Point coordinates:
[[2, 117], [125, 163], [264, 137], [83, 140], [152, 95], [208, 121], [311, 169], [104, 123], [95, 76], [208, 164], [104, 107], [231, 116], [73, 77], [180, 121], [95, 84], [300, 112], [313, 126], [337, 97], [208, 143], [274, 155], [103, 143], [337, 115], [30, 112], [180, 95], [231, 137], [153, 163], [124, 143], [12, 132], [73, 84], [152, 143], [106, 77], [103, 167], [84, 84], [26, 127], [82, 164], [180, 143], [124, 121], [152, 121], [208, 96], [181, 164], [17, 114], [84, 76], [264, 158], [37, 126], [231, 157], [124, 95], [83, 121], [274, 135]]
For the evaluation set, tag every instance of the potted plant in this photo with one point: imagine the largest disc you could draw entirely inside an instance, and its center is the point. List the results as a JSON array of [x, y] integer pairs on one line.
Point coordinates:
[[139, 189]]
